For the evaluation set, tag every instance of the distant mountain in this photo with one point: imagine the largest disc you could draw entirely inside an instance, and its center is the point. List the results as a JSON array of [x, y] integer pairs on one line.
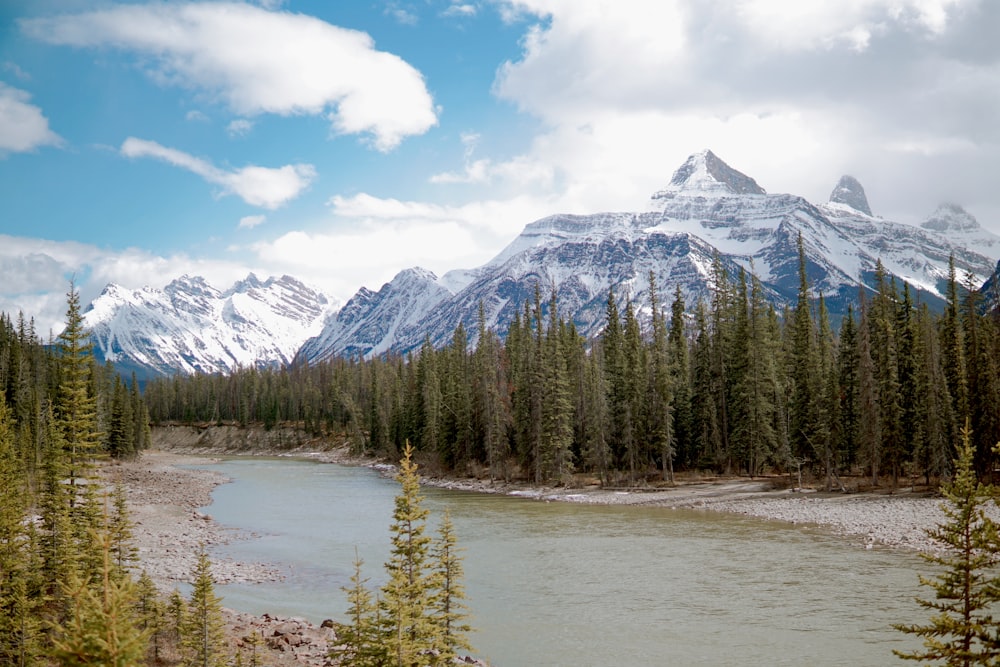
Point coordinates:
[[191, 326], [707, 210], [707, 213]]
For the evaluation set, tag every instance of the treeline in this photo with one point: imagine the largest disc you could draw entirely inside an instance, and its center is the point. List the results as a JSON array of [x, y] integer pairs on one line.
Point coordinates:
[[31, 376], [67, 594], [734, 386]]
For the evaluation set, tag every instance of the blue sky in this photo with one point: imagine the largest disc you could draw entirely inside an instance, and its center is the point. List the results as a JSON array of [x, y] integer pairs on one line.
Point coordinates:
[[341, 142]]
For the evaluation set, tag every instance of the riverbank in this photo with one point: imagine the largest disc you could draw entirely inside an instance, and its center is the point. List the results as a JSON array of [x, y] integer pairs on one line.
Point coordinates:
[[164, 501], [897, 520]]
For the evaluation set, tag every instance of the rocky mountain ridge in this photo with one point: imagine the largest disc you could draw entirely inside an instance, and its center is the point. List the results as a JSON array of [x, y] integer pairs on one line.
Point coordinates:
[[708, 213]]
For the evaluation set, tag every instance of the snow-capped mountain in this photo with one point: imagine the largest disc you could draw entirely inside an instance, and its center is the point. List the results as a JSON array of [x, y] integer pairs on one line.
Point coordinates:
[[707, 210], [191, 326]]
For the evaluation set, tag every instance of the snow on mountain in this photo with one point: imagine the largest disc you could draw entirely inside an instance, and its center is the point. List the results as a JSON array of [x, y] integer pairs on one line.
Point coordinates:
[[708, 214], [849, 192], [191, 326], [708, 210], [919, 255], [370, 322]]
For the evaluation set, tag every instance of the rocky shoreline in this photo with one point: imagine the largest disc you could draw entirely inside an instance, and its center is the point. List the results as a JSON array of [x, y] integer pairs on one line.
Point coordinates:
[[164, 499]]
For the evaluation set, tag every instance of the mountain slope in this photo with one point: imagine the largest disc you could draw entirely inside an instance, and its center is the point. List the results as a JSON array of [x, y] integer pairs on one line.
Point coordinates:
[[707, 210], [191, 326]]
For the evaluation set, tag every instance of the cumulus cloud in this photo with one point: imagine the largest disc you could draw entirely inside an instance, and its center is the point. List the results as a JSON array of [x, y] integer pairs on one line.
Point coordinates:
[[258, 186], [23, 127], [463, 9], [35, 275], [258, 61], [239, 127], [794, 94], [405, 234], [251, 221], [196, 115]]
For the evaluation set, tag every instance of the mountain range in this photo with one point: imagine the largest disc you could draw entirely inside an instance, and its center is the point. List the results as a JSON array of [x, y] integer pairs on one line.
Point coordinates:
[[190, 326], [708, 212]]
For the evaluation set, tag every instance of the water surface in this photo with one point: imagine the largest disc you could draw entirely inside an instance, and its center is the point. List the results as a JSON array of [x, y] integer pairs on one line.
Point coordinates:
[[567, 584]]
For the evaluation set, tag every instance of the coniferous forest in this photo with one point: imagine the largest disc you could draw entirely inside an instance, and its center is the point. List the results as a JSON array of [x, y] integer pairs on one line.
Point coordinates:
[[731, 385]]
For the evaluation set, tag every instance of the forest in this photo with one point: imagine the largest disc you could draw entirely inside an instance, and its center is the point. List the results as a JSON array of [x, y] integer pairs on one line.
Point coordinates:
[[731, 386]]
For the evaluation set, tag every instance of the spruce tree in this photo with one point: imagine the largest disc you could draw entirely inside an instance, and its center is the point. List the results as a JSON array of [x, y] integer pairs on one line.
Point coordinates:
[[202, 629], [103, 628], [447, 610], [406, 630], [358, 640], [962, 629], [556, 428], [18, 623]]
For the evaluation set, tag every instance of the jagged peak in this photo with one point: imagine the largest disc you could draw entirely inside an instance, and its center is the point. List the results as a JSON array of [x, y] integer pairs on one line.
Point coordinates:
[[850, 192], [705, 174], [950, 217], [190, 284], [416, 273]]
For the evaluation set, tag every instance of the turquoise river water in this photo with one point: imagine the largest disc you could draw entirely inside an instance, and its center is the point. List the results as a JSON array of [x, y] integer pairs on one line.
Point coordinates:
[[553, 584]]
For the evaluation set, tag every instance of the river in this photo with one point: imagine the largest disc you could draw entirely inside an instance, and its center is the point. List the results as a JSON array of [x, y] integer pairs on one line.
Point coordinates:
[[566, 584]]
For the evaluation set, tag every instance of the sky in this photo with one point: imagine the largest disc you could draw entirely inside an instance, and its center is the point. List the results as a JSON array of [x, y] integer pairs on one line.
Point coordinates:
[[341, 142]]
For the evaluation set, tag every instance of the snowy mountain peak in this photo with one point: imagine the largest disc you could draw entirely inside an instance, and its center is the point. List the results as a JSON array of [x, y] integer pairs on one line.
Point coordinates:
[[850, 193], [950, 218], [705, 174], [191, 326]]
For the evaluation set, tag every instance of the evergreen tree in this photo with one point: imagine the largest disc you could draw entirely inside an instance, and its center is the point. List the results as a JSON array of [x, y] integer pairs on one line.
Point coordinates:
[[358, 640], [447, 610], [680, 381], [804, 417], [18, 622], [555, 456], [202, 628], [962, 630], [76, 408], [102, 629], [406, 631]]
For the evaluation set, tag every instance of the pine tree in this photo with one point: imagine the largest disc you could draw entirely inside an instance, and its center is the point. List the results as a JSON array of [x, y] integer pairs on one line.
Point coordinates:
[[406, 631], [18, 624], [359, 643], [680, 381], [202, 630], [103, 628], [152, 614], [77, 404], [124, 553], [556, 428], [962, 630], [804, 408], [447, 609]]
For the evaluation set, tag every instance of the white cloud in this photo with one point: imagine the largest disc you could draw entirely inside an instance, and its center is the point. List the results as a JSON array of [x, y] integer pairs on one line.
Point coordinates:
[[258, 186], [195, 115], [251, 221], [374, 238], [239, 127], [794, 94], [14, 69], [23, 127], [35, 275], [464, 9], [257, 61], [402, 15]]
